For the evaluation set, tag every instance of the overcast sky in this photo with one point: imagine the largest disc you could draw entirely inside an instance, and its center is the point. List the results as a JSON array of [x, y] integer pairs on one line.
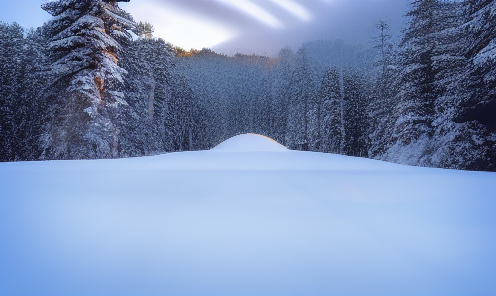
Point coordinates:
[[247, 26]]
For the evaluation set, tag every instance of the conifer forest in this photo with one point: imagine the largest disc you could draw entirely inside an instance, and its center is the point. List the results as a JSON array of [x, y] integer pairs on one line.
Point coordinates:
[[93, 83]]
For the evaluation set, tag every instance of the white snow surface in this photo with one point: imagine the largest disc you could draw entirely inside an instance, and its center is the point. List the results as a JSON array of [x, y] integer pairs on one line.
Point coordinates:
[[250, 142], [235, 221]]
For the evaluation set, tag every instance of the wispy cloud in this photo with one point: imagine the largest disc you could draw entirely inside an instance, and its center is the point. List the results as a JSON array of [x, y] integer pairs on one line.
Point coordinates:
[[180, 25], [294, 8], [254, 11], [262, 26]]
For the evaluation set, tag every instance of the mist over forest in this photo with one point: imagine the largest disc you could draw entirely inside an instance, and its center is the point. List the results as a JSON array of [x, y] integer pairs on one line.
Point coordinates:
[[94, 83]]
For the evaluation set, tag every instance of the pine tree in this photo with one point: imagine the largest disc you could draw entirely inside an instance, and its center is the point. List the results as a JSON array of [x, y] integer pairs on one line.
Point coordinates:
[[448, 62], [473, 133], [380, 108], [143, 128], [29, 109], [178, 116], [414, 109], [11, 61], [86, 94], [264, 108], [281, 74], [302, 92], [330, 125], [480, 104], [356, 118], [144, 30]]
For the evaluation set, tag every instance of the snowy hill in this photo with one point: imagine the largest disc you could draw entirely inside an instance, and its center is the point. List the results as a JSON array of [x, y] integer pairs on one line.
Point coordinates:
[[250, 142], [246, 218]]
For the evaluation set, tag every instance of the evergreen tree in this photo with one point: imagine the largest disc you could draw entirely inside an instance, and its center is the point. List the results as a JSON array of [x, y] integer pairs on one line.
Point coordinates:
[[29, 109], [264, 108], [86, 94], [355, 119], [469, 128], [331, 126], [480, 104], [144, 30], [179, 118], [281, 78], [150, 66], [414, 109], [302, 91], [448, 62], [380, 108], [11, 62]]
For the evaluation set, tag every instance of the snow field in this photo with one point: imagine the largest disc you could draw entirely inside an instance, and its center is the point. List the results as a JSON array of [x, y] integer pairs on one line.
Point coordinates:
[[241, 221]]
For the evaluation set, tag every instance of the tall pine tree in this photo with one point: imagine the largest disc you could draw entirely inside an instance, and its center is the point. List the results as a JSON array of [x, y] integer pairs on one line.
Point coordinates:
[[476, 90], [330, 125], [414, 109], [86, 92], [302, 91], [11, 65], [380, 107]]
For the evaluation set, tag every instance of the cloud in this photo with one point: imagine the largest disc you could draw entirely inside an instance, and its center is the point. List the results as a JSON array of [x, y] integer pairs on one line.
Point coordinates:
[[294, 8], [181, 25], [248, 26], [254, 11], [350, 20], [213, 10], [205, 23]]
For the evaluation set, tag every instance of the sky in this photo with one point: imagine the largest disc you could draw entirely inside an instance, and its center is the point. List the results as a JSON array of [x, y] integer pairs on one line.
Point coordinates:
[[245, 26]]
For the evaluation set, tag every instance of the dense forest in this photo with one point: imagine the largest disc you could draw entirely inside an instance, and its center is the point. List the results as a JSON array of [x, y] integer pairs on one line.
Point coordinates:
[[93, 83]]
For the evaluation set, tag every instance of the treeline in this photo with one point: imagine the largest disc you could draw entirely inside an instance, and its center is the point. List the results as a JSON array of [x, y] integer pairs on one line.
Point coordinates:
[[294, 98], [80, 87], [429, 100]]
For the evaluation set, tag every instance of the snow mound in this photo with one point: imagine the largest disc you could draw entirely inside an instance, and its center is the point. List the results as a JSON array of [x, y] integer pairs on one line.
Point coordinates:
[[250, 142]]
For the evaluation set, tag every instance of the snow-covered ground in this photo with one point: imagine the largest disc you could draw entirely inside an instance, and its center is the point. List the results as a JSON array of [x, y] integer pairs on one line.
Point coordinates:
[[246, 218]]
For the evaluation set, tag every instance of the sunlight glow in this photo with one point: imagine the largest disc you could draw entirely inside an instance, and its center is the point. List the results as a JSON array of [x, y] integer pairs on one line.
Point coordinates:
[[181, 28], [254, 11], [294, 8]]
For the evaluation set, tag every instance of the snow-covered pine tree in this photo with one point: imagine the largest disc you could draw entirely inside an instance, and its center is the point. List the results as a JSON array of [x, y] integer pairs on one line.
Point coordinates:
[[144, 30], [4, 106], [200, 132], [448, 62], [281, 79], [330, 123], [463, 137], [474, 143], [302, 91], [29, 109], [85, 95], [11, 62], [205, 74], [356, 117], [414, 109], [150, 65], [178, 115], [264, 107], [482, 103], [384, 48], [380, 108]]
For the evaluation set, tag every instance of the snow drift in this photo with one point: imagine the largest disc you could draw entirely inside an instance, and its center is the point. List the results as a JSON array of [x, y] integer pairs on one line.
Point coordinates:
[[245, 223], [250, 142]]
